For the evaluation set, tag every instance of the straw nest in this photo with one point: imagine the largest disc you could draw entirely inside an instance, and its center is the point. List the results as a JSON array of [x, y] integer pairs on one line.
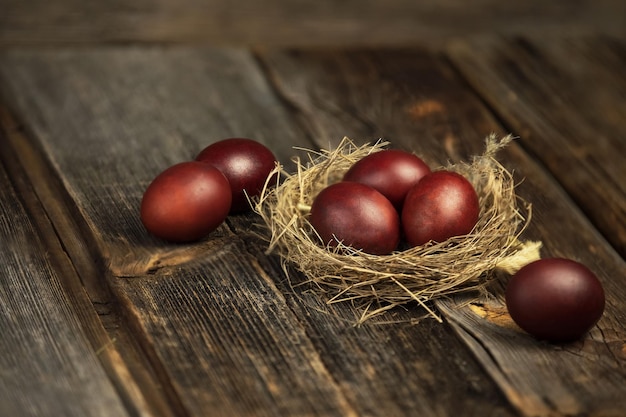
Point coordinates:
[[464, 264]]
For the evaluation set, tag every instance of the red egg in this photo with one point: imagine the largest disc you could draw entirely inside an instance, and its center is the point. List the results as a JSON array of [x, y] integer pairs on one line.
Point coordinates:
[[356, 215], [245, 163], [186, 202], [555, 299], [392, 172], [441, 205]]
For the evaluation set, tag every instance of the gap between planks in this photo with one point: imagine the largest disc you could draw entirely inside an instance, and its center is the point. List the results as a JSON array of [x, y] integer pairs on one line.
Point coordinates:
[[116, 349]]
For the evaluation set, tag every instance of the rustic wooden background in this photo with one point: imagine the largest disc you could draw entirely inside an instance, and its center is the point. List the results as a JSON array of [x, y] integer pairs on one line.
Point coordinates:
[[97, 318], [297, 23]]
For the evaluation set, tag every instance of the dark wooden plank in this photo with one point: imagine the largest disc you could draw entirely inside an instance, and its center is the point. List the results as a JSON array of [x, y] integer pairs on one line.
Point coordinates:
[[455, 132], [411, 98], [419, 103], [283, 22], [231, 347], [93, 304], [564, 97], [131, 136], [580, 378], [156, 109], [196, 114], [396, 364], [229, 343], [48, 366]]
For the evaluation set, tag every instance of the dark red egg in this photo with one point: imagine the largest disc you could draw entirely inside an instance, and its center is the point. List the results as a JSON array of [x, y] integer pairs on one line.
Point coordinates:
[[245, 163], [356, 215], [186, 202], [392, 172], [441, 205], [555, 299]]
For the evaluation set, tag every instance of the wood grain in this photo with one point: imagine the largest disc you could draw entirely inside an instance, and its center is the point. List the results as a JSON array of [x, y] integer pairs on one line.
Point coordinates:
[[221, 314], [161, 108], [584, 377], [48, 366], [402, 95], [221, 318], [228, 342], [564, 100], [90, 299], [283, 22], [409, 97], [398, 364]]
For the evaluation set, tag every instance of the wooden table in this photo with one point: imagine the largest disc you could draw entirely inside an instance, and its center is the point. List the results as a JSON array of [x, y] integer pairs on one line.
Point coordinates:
[[98, 318]]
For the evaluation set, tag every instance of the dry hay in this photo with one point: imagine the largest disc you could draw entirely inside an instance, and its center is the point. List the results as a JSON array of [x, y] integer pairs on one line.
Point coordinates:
[[378, 283]]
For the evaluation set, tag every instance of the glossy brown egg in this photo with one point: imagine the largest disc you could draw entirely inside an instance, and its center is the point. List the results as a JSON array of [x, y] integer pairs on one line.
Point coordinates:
[[245, 163], [186, 202], [555, 299], [356, 215], [441, 205], [392, 172]]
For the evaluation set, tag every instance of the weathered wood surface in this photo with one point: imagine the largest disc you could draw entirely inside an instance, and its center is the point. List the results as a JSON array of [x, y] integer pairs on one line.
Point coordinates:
[[222, 296], [81, 277], [49, 365], [563, 98], [218, 321], [395, 95], [284, 22], [132, 113], [231, 346]]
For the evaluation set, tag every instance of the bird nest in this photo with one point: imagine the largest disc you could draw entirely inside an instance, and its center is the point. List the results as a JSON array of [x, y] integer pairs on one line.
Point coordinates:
[[378, 283]]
